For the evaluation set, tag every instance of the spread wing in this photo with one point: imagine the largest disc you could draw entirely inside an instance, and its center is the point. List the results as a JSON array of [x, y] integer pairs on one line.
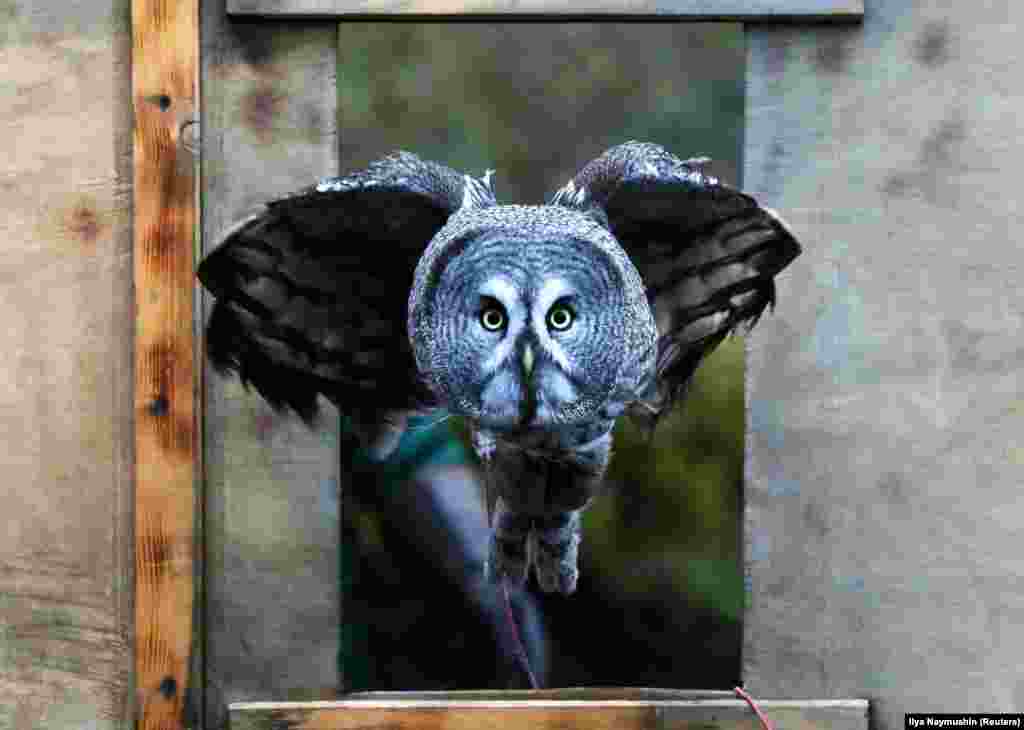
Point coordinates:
[[707, 253], [312, 292]]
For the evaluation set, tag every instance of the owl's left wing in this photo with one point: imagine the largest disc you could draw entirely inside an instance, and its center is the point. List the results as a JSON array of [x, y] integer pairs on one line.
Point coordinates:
[[707, 253], [312, 292]]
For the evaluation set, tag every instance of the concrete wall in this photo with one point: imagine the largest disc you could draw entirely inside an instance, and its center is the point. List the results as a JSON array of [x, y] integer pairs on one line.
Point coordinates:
[[886, 396]]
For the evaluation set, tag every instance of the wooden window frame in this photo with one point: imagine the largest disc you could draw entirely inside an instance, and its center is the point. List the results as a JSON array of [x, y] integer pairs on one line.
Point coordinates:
[[678, 10], [168, 403]]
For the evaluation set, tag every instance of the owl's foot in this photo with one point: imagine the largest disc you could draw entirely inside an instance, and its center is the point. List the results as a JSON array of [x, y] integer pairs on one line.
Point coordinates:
[[556, 543], [508, 557]]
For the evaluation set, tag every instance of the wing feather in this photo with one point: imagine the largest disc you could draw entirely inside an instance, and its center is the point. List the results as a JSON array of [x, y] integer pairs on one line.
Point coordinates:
[[708, 254], [312, 292]]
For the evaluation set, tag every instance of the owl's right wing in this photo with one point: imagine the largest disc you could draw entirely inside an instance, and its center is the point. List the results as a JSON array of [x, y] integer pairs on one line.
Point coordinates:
[[312, 292]]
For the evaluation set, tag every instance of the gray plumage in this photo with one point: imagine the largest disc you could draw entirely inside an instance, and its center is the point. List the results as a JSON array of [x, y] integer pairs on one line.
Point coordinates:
[[406, 287]]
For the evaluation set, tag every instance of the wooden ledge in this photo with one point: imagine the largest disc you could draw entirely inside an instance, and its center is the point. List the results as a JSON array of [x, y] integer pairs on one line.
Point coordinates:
[[564, 709], [696, 10]]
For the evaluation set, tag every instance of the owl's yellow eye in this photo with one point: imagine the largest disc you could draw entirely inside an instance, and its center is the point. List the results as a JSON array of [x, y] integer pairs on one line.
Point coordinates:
[[560, 318], [492, 319]]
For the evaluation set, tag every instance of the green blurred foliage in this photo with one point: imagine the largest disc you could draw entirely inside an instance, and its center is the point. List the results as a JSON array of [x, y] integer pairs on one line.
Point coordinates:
[[536, 101], [675, 500]]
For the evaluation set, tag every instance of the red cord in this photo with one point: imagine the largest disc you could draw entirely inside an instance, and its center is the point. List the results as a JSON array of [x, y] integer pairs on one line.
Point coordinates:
[[765, 722], [524, 659]]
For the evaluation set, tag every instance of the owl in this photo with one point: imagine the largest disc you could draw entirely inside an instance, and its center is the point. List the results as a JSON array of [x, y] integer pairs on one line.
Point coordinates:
[[405, 288]]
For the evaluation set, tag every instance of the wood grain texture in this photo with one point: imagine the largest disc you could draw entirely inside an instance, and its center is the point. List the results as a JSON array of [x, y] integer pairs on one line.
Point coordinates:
[[712, 10], [164, 74], [887, 391], [269, 128], [456, 713], [66, 373], [599, 694]]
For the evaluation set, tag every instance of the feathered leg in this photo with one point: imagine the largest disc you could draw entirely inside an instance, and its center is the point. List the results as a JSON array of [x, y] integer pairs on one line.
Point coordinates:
[[508, 557], [572, 482], [555, 551], [541, 489]]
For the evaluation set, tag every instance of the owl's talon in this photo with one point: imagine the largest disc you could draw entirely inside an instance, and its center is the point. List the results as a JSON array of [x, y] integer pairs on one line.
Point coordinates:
[[556, 541], [508, 556], [557, 574]]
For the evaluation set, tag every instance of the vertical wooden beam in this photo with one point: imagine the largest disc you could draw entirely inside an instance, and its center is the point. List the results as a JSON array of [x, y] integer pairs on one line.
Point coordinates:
[[164, 93]]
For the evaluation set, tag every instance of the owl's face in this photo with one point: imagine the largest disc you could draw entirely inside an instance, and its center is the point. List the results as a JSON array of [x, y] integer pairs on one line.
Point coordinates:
[[525, 329]]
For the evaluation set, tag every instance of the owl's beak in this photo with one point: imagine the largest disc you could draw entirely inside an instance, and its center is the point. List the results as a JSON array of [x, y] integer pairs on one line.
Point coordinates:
[[527, 360]]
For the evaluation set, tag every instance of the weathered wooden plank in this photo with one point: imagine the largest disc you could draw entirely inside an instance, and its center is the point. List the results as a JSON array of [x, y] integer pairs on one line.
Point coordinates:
[[269, 128], [885, 452], [66, 374], [164, 73], [601, 694], [465, 714], [710, 10]]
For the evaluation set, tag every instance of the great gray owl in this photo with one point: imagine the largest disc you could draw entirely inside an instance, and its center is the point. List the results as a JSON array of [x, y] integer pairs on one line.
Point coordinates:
[[405, 287]]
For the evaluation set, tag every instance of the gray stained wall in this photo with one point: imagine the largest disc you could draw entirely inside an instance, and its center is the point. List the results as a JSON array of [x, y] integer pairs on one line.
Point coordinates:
[[885, 447], [272, 515], [886, 395]]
